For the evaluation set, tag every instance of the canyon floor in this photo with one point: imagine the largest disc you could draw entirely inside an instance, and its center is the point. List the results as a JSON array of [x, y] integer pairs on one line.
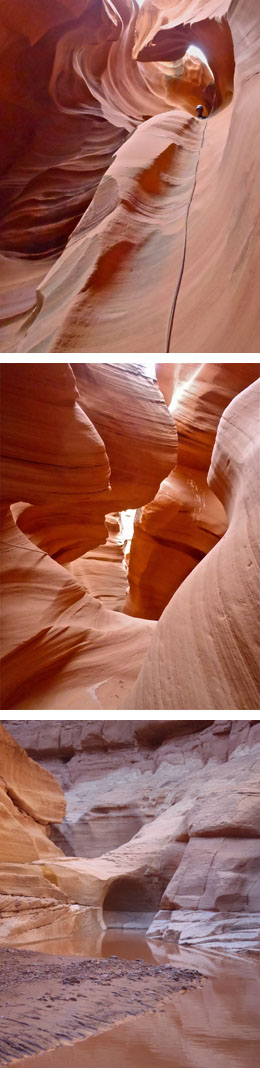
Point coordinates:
[[40, 992], [146, 1005]]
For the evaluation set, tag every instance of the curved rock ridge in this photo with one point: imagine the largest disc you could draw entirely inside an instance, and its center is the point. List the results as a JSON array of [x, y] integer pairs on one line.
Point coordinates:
[[89, 93], [53, 458], [30, 800], [223, 226], [186, 519], [129, 413], [133, 230], [211, 35], [125, 413], [218, 599], [102, 571], [112, 183], [67, 649]]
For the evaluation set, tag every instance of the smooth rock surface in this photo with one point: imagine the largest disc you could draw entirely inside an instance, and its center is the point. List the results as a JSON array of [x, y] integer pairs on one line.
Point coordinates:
[[56, 493], [218, 599], [125, 226], [186, 519]]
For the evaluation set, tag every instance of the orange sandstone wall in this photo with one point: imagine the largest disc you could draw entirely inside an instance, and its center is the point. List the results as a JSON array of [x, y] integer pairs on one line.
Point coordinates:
[[185, 520], [61, 647], [107, 173], [30, 800], [204, 651]]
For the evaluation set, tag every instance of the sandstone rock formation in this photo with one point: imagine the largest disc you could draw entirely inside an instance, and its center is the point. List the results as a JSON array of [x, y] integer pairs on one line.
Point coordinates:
[[123, 223], [204, 653], [67, 649], [103, 571], [30, 801], [186, 519], [69, 456], [195, 857], [117, 775]]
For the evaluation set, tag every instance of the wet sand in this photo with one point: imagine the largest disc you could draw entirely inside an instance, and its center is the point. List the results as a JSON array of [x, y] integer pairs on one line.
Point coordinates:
[[214, 1024], [46, 1000]]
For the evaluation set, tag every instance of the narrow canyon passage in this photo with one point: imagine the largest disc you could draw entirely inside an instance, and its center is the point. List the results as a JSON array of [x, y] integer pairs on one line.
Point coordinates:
[[129, 177], [88, 622]]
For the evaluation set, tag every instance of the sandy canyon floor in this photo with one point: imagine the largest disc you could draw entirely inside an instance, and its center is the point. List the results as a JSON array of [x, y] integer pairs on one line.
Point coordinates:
[[129, 1002]]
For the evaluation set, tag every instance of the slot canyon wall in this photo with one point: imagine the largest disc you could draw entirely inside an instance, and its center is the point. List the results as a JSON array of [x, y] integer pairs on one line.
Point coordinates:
[[128, 223], [161, 830], [80, 444]]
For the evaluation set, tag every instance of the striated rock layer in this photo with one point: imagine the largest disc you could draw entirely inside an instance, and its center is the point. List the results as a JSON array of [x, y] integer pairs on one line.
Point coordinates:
[[116, 774], [195, 857], [186, 519], [30, 800], [62, 647], [75, 446], [124, 225], [204, 653]]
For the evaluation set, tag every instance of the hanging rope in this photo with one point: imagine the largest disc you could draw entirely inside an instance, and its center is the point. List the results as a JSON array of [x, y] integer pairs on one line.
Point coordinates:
[[177, 290]]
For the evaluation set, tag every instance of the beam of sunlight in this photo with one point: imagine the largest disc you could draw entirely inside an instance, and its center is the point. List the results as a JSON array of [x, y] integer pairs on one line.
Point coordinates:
[[194, 51], [148, 366], [127, 527], [180, 390]]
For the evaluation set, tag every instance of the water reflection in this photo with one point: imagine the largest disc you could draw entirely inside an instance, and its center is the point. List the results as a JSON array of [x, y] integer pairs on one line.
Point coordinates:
[[214, 1026]]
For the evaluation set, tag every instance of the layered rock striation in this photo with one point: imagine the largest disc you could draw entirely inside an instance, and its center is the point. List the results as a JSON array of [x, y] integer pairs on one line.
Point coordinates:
[[186, 519], [31, 801], [204, 653], [62, 647], [190, 872], [76, 445], [123, 224]]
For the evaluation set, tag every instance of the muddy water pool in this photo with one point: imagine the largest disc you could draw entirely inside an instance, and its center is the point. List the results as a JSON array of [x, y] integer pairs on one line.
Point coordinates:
[[216, 1025]]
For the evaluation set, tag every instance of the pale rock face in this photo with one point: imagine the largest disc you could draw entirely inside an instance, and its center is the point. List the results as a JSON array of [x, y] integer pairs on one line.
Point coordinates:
[[117, 775], [213, 931], [195, 856]]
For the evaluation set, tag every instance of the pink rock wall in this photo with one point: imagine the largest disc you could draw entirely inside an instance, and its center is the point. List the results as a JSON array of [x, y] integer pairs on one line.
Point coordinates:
[[124, 221]]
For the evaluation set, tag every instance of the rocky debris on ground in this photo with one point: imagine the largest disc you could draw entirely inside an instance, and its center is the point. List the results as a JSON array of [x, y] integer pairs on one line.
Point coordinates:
[[59, 1000]]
